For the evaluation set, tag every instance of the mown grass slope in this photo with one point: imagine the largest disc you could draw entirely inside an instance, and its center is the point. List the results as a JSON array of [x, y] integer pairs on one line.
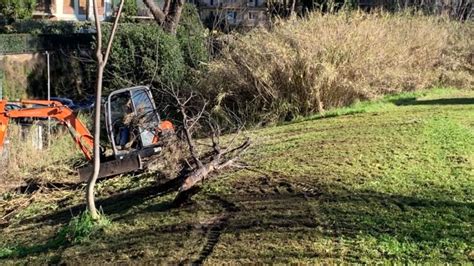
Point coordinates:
[[387, 180]]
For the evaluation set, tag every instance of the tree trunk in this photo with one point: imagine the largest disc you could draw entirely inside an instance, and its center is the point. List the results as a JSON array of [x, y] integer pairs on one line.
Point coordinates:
[[98, 96], [157, 13], [169, 17], [101, 62], [173, 16]]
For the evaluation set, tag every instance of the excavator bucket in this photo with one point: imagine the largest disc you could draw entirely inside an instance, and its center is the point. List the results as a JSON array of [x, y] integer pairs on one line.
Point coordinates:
[[112, 168]]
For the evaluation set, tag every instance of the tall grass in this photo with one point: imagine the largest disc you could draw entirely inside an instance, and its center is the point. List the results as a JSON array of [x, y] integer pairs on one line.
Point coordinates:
[[24, 160], [309, 65]]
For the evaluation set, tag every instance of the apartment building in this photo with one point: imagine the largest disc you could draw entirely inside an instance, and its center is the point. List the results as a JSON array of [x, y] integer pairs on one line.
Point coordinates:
[[214, 13], [233, 13], [78, 10], [71, 9]]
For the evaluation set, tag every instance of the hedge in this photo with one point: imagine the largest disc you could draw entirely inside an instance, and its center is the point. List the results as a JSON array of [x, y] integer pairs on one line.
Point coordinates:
[[24, 43]]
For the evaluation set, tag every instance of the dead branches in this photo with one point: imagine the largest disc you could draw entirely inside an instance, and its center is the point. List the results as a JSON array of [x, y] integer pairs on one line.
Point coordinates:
[[215, 159], [218, 162]]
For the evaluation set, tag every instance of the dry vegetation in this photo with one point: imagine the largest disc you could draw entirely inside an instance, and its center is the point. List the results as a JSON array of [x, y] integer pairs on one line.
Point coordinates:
[[25, 162], [304, 66]]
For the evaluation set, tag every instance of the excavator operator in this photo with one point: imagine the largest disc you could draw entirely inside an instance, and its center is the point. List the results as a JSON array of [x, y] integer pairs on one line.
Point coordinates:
[[124, 140]]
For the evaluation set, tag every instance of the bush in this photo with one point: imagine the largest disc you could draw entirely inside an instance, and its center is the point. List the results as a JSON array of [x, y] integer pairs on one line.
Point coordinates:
[[17, 9], [142, 54], [130, 9], [330, 60], [80, 229], [15, 73], [70, 76], [192, 37], [17, 43], [33, 26]]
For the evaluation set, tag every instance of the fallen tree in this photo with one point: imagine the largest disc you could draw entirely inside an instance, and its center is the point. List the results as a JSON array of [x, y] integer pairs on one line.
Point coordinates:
[[216, 157]]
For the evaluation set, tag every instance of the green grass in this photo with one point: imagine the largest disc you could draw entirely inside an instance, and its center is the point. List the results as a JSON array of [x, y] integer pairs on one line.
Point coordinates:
[[386, 103], [77, 231], [384, 181]]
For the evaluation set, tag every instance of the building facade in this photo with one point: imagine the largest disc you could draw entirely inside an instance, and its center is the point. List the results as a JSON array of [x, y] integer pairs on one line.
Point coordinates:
[[233, 13], [72, 9], [214, 13]]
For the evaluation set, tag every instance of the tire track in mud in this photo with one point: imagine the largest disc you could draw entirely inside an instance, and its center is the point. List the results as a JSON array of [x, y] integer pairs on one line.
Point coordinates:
[[215, 227], [218, 224], [272, 180]]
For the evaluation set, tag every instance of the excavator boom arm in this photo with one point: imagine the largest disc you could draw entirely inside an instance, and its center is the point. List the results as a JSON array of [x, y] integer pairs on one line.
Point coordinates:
[[53, 109], [3, 124]]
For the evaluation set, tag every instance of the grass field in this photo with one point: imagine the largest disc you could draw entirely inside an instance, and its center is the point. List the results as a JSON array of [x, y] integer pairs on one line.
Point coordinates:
[[391, 180]]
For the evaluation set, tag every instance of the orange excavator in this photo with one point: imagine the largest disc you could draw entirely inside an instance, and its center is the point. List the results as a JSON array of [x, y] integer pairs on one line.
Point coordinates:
[[134, 129]]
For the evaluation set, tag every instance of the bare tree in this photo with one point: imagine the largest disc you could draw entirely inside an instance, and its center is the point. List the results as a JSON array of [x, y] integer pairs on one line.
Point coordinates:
[[101, 63], [169, 16]]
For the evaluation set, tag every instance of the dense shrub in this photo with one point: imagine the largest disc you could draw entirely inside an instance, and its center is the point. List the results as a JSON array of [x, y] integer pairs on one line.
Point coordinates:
[[29, 43], [143, 54], [17, 9], [33, 26], [15, 71], [328, 60], [70, 76], [25, 76], [130, 9], [17, 43], [192, 36]]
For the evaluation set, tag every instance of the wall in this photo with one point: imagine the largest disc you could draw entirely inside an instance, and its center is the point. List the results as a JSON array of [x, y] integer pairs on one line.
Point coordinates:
[[25, 75]]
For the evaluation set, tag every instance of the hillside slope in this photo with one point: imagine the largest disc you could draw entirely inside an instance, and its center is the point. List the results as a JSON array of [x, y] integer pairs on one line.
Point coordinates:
[[388, 180]]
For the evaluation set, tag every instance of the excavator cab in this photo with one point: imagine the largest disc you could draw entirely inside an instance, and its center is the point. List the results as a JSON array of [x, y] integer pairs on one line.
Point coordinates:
[[134, 130], [132, 121]]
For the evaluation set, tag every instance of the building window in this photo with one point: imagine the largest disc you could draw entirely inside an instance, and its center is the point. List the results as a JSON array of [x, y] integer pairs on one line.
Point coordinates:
[[231, 16], [80, 7], [251, 3], [211, 2], [253, 15]]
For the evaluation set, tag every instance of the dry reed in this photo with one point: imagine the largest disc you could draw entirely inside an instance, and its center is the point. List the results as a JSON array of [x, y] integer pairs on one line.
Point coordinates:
[[323, 61]]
